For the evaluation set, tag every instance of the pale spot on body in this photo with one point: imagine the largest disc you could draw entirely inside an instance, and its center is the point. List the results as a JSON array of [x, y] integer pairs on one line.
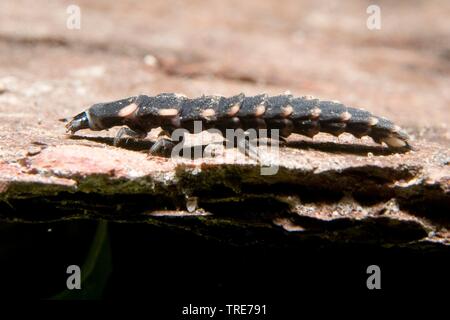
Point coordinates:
[[170, 112], [345, 116], [207, 113], [128, 110], [287, 111], [259, 110], [233, 110], [373, 121], [315, 113]]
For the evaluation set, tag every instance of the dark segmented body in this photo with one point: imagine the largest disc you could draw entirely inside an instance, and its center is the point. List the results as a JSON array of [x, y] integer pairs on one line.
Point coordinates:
[[302, 115]]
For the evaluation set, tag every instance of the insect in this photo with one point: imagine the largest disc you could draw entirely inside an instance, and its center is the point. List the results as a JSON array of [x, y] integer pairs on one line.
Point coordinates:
[[302, 115]]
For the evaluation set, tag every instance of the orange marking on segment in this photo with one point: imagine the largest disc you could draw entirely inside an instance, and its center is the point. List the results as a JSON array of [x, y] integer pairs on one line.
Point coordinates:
[[128, 110], [373, 121], [287, 111], [170, 112], [259, 110], [315, 113], [233, 110], [345, 116], [207, 113]]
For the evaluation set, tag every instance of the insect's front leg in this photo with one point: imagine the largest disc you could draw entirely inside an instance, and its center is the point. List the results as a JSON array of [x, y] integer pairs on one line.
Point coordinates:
[[124, 131]]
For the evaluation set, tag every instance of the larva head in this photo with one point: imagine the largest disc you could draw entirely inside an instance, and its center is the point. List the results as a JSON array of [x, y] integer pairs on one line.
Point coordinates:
[[80, 121], [103, 115]]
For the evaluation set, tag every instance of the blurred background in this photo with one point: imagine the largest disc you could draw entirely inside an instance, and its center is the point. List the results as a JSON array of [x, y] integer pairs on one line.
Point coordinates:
[[320, 48]]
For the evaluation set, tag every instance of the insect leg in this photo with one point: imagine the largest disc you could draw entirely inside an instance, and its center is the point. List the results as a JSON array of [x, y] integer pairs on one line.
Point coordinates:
[[163, 145], [127, 132]]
